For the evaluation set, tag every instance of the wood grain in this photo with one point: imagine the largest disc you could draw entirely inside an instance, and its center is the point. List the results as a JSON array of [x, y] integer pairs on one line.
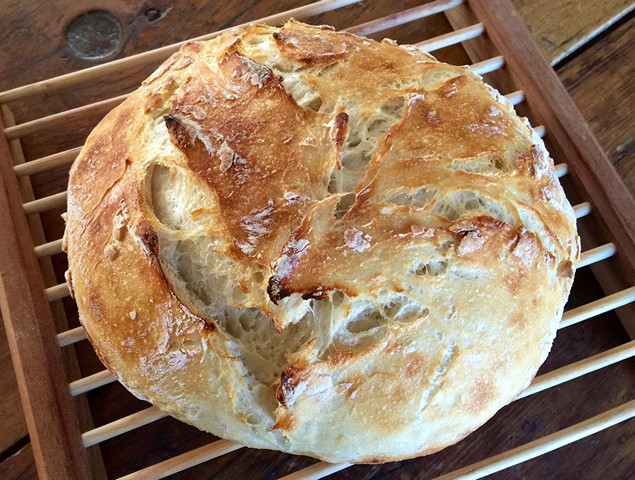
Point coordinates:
[[12, 423], [19, 466], [600, 81], [550, 104], [234, 13], [561, 27], [37, 360], [38, 31], [573, 140], [38, 36], [58, 313]]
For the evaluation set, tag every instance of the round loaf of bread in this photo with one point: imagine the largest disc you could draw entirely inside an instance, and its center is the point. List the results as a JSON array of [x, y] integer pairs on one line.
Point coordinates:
[[308, 241]]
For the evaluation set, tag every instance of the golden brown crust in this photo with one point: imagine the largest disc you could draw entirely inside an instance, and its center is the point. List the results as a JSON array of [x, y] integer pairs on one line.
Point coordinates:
[[304, 240], [255, 108]]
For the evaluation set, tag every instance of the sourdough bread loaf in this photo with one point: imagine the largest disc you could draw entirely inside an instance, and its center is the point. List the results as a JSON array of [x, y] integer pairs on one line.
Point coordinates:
[[303, 240]]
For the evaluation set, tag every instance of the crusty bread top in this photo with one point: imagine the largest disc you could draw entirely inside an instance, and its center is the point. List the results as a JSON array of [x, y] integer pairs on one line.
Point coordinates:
[[309, 241]]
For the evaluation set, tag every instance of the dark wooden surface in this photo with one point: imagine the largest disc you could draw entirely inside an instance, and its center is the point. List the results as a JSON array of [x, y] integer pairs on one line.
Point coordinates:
[[591, 44], [600, 81], [39, 367]]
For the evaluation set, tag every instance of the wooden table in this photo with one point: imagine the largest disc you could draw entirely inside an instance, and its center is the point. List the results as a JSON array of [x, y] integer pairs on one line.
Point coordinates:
[[591, 44]]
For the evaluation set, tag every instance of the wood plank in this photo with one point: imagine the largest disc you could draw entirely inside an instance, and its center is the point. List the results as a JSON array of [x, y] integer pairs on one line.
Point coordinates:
[[596, 79], [57, 308], [172, 436], [37, 360], [46, 59], [480, 48], [561, 27], [600, 81], [573, 140], [551, 105], [40, 36], [19, 466], [12, 423], [82, 94]]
